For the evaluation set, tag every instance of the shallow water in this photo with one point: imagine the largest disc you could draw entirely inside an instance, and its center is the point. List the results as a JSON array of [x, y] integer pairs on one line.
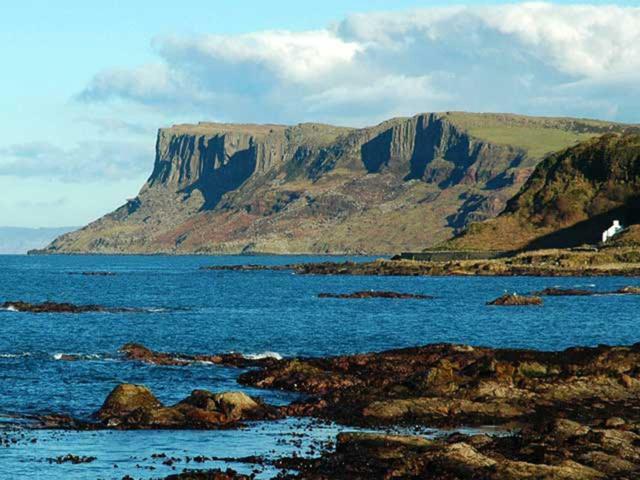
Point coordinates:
[[195, 311]]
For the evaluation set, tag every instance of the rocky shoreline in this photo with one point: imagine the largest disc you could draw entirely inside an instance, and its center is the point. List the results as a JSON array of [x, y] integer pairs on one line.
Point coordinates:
[[576, 262], [573, 414]]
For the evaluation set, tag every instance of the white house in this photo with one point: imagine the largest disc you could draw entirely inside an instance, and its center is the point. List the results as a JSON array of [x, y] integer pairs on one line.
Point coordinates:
[[612, 231]]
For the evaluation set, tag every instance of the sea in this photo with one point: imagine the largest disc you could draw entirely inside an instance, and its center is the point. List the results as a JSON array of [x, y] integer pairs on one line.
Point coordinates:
[[179, 307]]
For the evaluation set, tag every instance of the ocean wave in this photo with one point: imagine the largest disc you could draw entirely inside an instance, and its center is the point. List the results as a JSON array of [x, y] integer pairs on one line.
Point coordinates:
[[10, 308], [15, 355], [78, 356], [263, 355]]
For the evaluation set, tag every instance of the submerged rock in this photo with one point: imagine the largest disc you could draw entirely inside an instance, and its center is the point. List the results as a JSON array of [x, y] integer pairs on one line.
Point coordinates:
[[514, 300], [55, 307], [94, 274], [563, 292], [216, 474], [376, 294], [51, 307]]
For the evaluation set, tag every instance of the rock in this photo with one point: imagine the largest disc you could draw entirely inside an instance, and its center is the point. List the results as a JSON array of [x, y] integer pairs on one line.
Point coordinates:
[[73, 459], [465, 460], [93, 274], [55, 307], [134, 407], [50, 307], [140, 353], [564, 292], [126, 399], [564, 429], [615, 422], [233, 406], [228, 474], [629, 291], [374, 294], [514, 300]]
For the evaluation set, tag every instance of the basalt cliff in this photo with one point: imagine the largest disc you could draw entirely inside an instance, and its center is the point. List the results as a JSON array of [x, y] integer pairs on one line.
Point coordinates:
[[405, 184]]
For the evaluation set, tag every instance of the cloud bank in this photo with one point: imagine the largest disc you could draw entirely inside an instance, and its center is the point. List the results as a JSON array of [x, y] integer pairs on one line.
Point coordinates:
[[87, 161], [535, 58]]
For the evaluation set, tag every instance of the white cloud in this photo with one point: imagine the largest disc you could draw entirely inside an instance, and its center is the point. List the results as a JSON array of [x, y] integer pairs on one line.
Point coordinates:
[[90, 160], [536, 58]]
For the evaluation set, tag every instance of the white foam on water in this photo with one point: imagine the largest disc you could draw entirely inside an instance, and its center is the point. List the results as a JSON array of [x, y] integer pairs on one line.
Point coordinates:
[[15, 355], [77, 356], [263, 355]]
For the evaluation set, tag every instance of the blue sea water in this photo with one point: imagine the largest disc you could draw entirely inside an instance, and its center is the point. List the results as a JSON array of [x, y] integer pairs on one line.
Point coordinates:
[[185, 309]]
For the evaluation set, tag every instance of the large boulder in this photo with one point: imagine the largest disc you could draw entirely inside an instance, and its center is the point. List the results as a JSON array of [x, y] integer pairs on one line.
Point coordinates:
[[126, 399]]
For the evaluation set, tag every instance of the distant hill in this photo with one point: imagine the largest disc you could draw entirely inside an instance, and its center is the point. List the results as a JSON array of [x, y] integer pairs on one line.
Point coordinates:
[[18, 240], [571, 197], [404, 184]]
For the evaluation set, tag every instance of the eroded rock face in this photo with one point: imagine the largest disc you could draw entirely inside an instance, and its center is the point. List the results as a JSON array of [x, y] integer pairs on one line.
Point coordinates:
[[135, 407]]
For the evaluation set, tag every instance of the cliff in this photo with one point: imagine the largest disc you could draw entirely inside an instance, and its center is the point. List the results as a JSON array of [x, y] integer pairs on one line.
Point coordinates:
[[569, 200], [401, 185]]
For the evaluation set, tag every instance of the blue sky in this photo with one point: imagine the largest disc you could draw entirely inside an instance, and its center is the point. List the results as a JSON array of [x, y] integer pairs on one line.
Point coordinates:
[[85, 85]]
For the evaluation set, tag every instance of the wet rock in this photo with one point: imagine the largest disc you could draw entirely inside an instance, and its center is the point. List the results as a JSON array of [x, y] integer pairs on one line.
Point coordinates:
[[140, 353], [453, 385], [629, 291], [93, 274], [246, 268], [126, 399], [564, 292], [514, 300], [55, 307], [375, 294], [135, 407], [228, 474], [50, 307], [70, 458]]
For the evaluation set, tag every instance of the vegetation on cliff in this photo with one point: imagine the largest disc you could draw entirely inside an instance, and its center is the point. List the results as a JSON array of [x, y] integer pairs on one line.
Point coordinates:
[[569, 200]]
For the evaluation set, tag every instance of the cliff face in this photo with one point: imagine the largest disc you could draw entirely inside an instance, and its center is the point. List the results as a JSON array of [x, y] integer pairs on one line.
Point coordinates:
[[404, 184], [569, 200]]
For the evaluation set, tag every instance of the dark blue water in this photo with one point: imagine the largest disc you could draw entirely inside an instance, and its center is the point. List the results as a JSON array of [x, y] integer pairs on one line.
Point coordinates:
[[194, 311]]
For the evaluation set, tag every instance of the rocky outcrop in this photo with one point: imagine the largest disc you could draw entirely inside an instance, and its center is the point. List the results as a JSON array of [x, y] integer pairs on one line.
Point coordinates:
[[552, 450], [454, 385], [135, 407], [401, 185], [514, 300], [140, 353]]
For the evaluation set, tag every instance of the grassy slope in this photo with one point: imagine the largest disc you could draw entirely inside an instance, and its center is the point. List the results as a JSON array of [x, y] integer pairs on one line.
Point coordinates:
[[570, 198]]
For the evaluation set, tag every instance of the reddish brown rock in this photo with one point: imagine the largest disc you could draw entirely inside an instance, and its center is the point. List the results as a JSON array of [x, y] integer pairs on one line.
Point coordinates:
[[514, 300]]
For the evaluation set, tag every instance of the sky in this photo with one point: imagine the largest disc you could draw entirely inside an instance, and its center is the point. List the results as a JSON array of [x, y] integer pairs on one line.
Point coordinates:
[[85, 85]]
